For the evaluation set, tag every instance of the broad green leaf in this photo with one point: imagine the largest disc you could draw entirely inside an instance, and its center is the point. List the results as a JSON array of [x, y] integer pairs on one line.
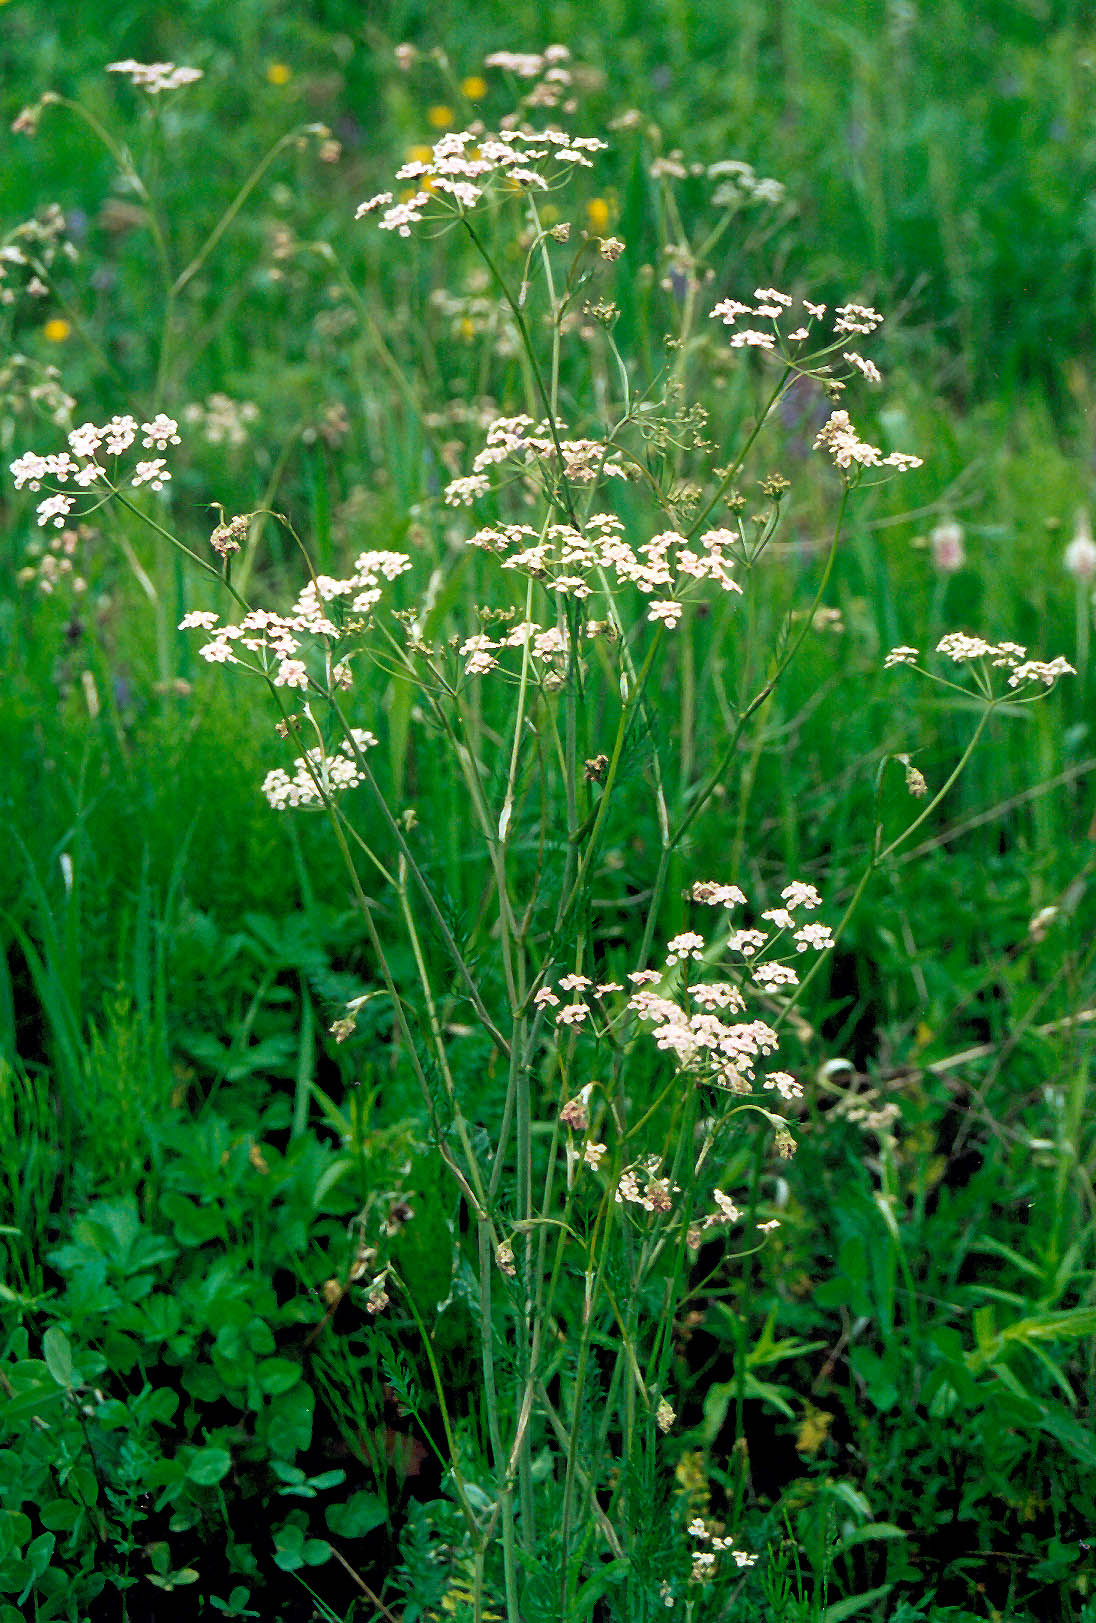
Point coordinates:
[[57, 1352], [278, 1375], [59, 1515], [208, 1466], [360, 1514]]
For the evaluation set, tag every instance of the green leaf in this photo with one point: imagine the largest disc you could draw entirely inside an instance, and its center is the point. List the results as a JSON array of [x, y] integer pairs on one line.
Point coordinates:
[[289, 1547], [39, 1555], [208, 1466], [57, 1352], [192, 1225], [278, 1375], [611, 1573], [289, 1421], [155, 1405], [358, 1516], [59, 1515], [855, 1603], [15, 1529], [31, 1401]]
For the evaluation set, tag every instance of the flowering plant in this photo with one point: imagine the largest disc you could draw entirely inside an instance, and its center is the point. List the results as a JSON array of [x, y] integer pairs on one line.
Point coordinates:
[[642, 1108]]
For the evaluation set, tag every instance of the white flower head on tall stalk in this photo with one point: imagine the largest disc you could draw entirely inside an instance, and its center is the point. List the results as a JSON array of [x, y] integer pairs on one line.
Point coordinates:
[[982, 658], [464, 166], [155, 77], [85, 463], [326, 612], [693, 1025]]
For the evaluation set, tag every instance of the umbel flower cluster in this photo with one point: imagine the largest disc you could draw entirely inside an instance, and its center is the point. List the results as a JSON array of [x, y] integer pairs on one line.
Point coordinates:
[[326, 611], [319, 774], [155, 77], [807, 348], [85, 462], [568, 561], [962, 649], [465, 165], [694, 1019]]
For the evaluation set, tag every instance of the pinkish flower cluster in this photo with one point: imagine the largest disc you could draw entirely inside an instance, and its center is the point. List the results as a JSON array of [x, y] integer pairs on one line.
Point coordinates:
[[83, 462], [666, 568], [519, 441], [653, 1194], [155, 77], [687, 1024], [464, 165], [319, 774], [275, 639], [963, 649]]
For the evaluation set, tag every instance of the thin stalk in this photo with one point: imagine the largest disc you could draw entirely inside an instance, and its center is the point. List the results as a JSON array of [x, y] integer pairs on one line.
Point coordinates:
[[505, 1494], [876, 860], [190, 271], [704, 794]]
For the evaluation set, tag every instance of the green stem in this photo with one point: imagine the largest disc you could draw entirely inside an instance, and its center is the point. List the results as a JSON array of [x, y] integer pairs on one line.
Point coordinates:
[[186, 275]]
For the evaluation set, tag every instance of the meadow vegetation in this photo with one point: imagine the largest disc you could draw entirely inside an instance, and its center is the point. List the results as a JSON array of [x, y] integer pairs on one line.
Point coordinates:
[[547, 998]]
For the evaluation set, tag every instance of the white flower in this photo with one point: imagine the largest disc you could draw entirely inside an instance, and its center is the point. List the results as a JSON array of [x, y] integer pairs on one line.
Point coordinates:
[[946, 541], [155, 77], [119, 434], [30, 469], [154, 474], [868, 369], [56, 508], [160, 433]]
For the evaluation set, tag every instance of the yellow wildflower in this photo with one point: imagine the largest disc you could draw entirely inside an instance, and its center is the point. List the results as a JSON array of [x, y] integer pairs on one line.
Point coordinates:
[[597, 214]]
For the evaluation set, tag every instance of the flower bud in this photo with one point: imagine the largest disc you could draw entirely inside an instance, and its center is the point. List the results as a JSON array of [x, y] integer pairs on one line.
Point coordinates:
[[1080, 555]]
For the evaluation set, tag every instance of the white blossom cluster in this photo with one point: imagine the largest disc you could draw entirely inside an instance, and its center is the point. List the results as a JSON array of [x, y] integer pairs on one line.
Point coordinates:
[[318, 774], [155, 77], [838, 436], [696, 1024], [772, 306], [778, 311], [222, 420], [28, 254], [82, 463], [963, 649], [709, 1546], [463, 166], [548, 646], [666, 568], [264, 633], [518, 440], [737, 183]]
